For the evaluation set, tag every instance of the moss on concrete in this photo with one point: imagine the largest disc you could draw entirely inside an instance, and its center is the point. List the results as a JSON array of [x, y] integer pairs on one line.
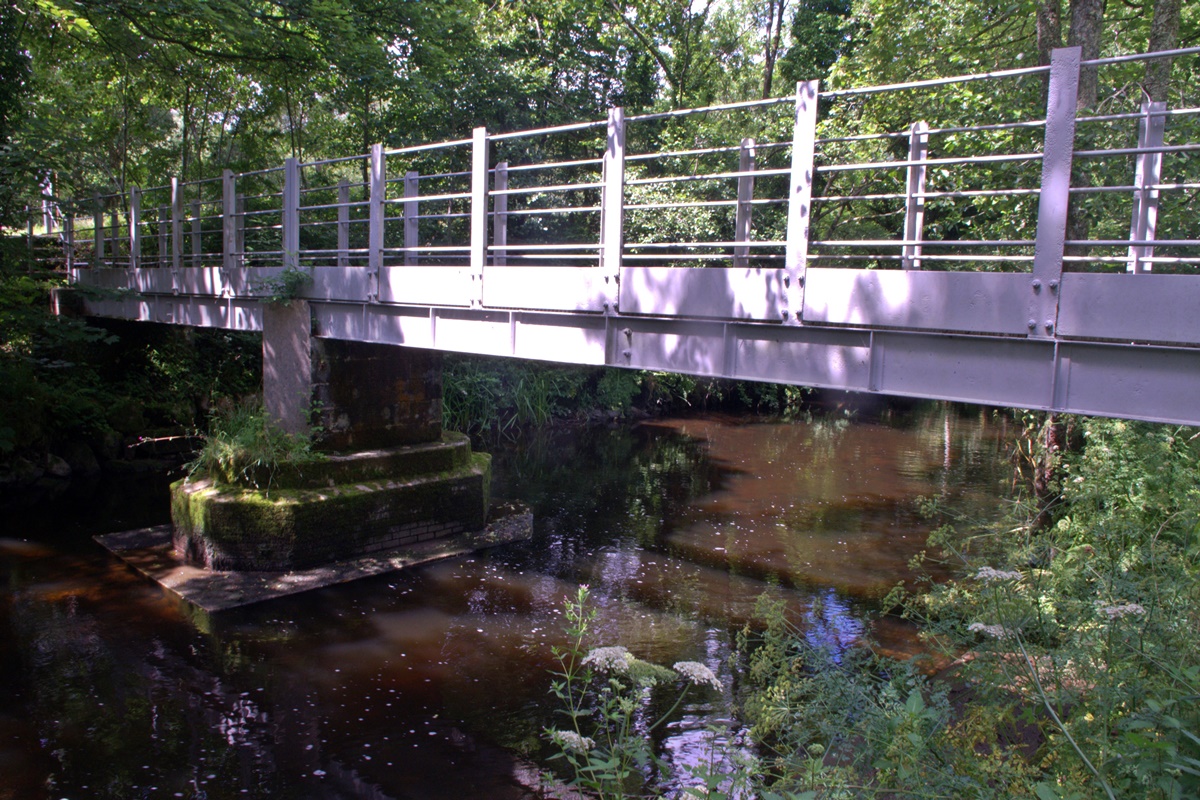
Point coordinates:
[[232, 527]]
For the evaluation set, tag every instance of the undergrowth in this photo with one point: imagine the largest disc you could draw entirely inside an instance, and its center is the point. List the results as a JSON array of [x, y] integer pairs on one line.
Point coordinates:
[[243, 448]]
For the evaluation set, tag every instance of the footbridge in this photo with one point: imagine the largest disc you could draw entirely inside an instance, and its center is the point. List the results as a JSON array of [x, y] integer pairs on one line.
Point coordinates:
[[981, 238]]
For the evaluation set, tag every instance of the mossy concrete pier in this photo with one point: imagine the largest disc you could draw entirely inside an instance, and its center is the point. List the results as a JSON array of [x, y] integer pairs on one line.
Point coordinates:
[[389, 489]]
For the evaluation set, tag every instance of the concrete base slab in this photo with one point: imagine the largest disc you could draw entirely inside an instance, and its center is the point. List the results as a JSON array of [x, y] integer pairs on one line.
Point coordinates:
[[149, 551]]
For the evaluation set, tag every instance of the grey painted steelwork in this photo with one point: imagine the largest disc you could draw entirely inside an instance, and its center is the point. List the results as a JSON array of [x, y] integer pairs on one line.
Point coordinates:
[[1026, 333]]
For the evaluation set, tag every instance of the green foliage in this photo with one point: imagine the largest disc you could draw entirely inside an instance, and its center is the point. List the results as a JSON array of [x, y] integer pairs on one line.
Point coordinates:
[[285, 287], [1088, 628], [604, 693], [243, 448]]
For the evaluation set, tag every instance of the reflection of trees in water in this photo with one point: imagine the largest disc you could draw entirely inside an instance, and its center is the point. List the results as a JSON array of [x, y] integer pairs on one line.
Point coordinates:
[[127, 713]]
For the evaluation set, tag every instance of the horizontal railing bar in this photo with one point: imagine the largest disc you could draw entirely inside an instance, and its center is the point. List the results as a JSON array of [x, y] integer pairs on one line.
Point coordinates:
[[325, 161], [422, 148], [261, 196], [431, 177], [254, 172], [712, 176], [552, 165], [1170, 112], [751, 243], [562, 187], [923, 243], [554, 256], [544, 247], [326, 206], [428, 198], [428, 249], [1132, 242], [533, 212], [1100, 62], [998, 159], [458, 215], [704, 151], [699, 257], [684, 112], [934, 82], [701, 204], [261, 212], [575, 126], [1134, 151]]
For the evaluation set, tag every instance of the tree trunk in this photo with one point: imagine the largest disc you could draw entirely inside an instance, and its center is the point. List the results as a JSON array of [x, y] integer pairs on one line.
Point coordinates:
[[1049, 29], [1164, 35], [772, 42], [1087, 25]]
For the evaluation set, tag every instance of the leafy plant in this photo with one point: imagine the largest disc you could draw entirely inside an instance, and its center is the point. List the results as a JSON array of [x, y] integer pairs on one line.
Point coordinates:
[[242, 447]]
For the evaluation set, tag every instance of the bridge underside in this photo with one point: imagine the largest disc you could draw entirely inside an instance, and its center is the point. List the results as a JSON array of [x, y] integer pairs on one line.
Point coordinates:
[[851, 335]]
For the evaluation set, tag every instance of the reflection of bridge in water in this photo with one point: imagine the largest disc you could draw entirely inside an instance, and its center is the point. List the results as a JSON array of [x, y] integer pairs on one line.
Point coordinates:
[[832, 258]]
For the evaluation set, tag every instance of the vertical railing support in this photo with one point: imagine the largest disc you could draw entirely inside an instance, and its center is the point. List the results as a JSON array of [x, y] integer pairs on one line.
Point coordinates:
[[1148, 174], [228, 220], [197, 234], [69, 240], [377, 175], [135, 228], [240, 205], [914, 203], [114, 238], [291, 214], [176, 225], [745, 198], [343, 223], [479, 212], [164, 223], [500, 208], [97, 232], [612, 208], [799, 220], [412, 222], [1055, 195]]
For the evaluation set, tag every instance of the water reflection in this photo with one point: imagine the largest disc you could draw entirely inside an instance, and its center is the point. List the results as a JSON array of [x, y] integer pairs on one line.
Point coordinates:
[[433, 683]]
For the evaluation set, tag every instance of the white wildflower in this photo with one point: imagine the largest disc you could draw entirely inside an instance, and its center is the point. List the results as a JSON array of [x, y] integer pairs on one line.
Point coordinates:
[[609, 659], [994, 631], [697, 673], [1124, 610], [988, 575], [571, 742]]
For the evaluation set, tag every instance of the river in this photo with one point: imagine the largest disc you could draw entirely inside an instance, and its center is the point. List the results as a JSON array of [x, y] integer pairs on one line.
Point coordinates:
[[433, 683]]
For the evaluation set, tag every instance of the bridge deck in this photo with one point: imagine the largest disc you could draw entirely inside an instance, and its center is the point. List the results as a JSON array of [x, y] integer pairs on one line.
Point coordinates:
[[1049, 325]]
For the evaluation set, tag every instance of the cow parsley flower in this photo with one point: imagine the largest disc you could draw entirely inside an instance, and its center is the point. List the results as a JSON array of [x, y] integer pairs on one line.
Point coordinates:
[[609, 659], [697, 673], [1124, 610], [994, 631], [990, 575], [571, 742]]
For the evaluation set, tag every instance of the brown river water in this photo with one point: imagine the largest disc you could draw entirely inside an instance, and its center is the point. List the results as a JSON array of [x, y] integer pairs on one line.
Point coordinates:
[[434, 683]]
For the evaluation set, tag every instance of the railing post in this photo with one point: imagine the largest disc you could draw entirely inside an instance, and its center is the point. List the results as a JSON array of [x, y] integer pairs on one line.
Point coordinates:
[[114, 239], [291, 214], [479, 212], [500, 207], [240, 248], [412, 208], [1148, 173], [135, 228], [1055, 196], [176, 224], [612, 208], [804, 142], [228, 220], [741, 232], [164, 222], [97, 232], [197, 230], [914, 204], [343, 223], [69, 240], [375, 225]]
